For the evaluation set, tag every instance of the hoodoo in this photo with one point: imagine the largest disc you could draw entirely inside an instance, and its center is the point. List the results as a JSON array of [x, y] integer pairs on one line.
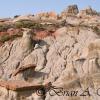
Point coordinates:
[[27, 41]]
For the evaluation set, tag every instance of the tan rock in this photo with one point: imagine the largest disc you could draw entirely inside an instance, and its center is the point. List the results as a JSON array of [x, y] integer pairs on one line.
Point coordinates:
[[88, 11], [70, 11], [23, 68]]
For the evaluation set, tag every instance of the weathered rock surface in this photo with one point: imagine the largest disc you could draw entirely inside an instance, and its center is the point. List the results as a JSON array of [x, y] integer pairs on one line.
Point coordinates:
[[68, 58], [88, 11], [71, 10]]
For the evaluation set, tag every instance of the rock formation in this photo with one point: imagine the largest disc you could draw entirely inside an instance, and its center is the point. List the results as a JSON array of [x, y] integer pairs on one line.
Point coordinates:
[[71, 10], [26, 41], [23, 68], [64, 52], [88, 11]]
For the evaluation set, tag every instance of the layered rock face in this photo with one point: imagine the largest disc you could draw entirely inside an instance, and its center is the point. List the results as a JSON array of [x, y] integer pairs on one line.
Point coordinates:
[[67, 55], [71, 10]]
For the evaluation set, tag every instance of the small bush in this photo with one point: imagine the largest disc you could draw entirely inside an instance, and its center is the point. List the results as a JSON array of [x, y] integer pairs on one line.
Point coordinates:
[[4, 27], [23, 24], [27, 24], [4, 38], [97, 30]]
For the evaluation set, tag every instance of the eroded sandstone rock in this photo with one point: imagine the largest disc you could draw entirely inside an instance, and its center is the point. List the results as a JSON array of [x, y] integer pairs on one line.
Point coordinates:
[[66, 55], [70, 11], [88, 11]]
